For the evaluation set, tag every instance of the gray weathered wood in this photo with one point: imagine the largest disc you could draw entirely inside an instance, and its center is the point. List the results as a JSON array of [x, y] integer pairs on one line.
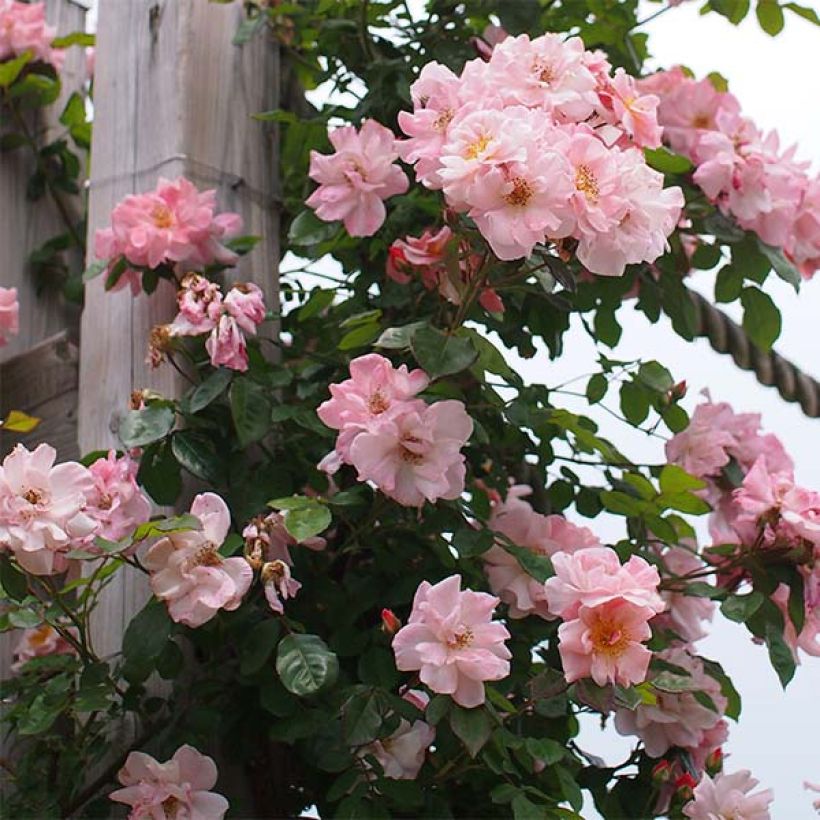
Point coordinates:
[[173, 96]]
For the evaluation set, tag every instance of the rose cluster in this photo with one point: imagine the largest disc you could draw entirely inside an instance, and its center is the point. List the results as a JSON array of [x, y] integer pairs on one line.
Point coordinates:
[[744, 171], [23, 28], [409, 449]]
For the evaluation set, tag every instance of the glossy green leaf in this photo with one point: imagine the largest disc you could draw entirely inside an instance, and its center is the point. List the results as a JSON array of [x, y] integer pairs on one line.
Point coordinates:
[[305, 664]]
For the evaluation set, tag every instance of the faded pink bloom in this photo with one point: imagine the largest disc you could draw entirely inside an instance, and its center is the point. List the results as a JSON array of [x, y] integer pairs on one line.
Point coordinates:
[[246, 304], [9, 314], [279, 585], [415, 455], [543, 535], [594, 576], [729, 795], [42, 508], [452, 641], [179, 788], [23, 28], [685, 615], [189, 574], [200, 306], [267, 539], [605, 642], [38, 642], [356, 179], [226, 345], [677, 718], [809, 637], [116, 501], [401, 755], [173, 224]]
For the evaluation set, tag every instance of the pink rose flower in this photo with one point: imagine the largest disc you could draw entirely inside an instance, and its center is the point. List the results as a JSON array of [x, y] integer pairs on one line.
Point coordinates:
[[678, 718], [38, 642], [181, 787], [685, 615], [401, 755], [415, 455], [23, 28], [356, 179], [729, 795], [594, 576], [543, 535], [174, 224], [226, 345], [625, 106], [9, 314], [605, 642], [42, 508], [808, 639], [452, 641], [116, 502], [200, 306], [247, 305], [189, 574]]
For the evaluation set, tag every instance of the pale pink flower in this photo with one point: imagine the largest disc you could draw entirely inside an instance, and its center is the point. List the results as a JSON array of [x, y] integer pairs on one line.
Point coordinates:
[[685, 615], [804, 244], [452, 641], [729, 795], [116, 502], [23, 28], [633, 111], [605, 642], [179, 788], [246, 304], [677, 718], [543, 535], [189, 574], [42, 508], [813, 787], [415, 455], [9, 314], [38, 642], [226, 345], [356, 179], [401, 755], [594, 576], [809, 637], [200, 306], [173, 224]]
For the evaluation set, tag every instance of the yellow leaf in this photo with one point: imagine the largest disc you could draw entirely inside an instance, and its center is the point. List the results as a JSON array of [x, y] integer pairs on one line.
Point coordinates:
[[19, 422]]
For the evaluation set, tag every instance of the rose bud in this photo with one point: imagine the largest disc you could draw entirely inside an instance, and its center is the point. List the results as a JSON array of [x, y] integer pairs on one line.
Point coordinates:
[[390, 623]]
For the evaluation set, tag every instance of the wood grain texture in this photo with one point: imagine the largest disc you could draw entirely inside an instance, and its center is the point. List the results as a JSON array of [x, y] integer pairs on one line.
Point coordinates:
[[173, 96]]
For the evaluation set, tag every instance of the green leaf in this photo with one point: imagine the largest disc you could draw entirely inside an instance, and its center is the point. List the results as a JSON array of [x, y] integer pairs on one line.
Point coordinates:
[[675, 480], [596, 388], [362, 717], [470, 543], [35, 90], [728, 284], [318, 301], [740, 608], [305, 522], [441, 354], [308, 229], [634, 403], [761, 318], [472, 727], [607, 328], [546, 750], [197, 454], [490, 358], [10, 69], [667, 162], [209, 389], [655, 376], [782, 267], [257, 646], [144, 639], [360, 336], [141, 427], [11, 579], [537, 566], [706, 256], [247, 28], [76, 38], [305, 664], [569, 787], [398, 338], [780, 654], [770, 16], [670, 682], [805, 12], [159, 473], [250, 410], [683, 502]]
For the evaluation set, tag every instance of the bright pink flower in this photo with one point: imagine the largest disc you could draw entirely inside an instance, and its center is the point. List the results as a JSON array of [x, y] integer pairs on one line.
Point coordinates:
[[685, 615], [200, 306], [356, 179], [728, 795], [189, 574], [38, 642], [543, 535], [226, 345], [23, 28], [452, 641], [181, 787], [173, 224], [415, 455], [594, 576], [42, 508], [605, 642], [116, 501], [9, 314], [401, 755], [247, 305], [677, 718]]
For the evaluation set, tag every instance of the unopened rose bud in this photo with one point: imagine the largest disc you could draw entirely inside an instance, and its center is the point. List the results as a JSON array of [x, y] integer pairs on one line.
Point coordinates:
[[685, 786], [714, 762], [662, 772], [678, 391], [390, 623]]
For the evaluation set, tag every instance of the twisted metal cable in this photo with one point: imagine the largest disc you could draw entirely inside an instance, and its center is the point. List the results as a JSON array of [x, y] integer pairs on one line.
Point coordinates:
[[771, 369]]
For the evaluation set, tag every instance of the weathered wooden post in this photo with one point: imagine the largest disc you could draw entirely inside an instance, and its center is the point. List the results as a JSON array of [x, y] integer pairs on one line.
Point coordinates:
[[173, 96]]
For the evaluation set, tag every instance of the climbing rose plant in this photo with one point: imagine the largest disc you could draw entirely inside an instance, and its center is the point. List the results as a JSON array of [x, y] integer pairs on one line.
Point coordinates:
[[391, 593]]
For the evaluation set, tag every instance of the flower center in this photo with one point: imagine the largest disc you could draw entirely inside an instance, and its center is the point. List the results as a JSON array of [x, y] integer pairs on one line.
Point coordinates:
[[544, 71], [170, 806], [162, 216], [41, 635], [411, 456], [701, 121], [33, 496], [461, 640], [377, 403], [443, 119], [478, 146], [207, 556], [586, 183], [105, 502], [521, 193], [609, 638]]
